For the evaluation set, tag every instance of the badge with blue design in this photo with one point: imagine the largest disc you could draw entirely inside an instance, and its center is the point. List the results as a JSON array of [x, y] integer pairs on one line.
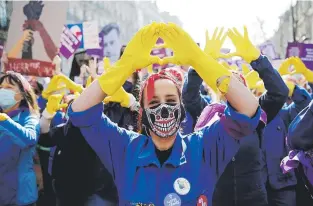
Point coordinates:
[[182, 186], [172, 199]]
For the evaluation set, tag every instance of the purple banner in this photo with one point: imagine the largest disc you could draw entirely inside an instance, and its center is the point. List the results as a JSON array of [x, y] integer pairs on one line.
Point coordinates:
[[69, 43], [302, 50], [1, 47]]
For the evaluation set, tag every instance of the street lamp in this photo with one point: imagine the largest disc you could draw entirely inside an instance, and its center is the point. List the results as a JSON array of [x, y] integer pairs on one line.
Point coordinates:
[[305, 38]]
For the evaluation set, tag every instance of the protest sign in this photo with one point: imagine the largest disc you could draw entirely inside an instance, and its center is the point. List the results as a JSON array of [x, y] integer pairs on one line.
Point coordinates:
[[34, 36], [302, 50]]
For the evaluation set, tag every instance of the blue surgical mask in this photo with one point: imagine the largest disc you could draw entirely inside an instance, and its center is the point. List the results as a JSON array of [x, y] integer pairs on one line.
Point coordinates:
[[7, 99]]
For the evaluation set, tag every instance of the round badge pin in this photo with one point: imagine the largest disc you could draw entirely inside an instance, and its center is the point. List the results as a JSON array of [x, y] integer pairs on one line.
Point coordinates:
[[202, 201], [182, 186], [172, 199]]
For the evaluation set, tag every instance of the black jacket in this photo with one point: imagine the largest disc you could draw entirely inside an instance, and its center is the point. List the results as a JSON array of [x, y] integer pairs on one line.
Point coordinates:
[[77, 170]]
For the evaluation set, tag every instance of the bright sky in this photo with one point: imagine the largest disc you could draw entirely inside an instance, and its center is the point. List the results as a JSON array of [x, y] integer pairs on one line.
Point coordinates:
[[198, 15]]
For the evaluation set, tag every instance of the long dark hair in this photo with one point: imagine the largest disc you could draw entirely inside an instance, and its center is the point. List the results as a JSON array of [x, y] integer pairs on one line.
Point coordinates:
[[29, 98]]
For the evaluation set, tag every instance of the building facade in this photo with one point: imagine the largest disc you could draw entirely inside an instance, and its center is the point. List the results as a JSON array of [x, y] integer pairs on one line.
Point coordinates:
[[295, 24], [129, 15]]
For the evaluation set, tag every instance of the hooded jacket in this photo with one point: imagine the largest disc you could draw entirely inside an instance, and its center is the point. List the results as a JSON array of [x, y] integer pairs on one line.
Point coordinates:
[[18, 138]]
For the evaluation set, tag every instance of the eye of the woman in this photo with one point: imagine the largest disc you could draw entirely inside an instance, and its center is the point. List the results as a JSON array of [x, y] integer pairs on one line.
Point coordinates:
[[153, 102], [171, 101]]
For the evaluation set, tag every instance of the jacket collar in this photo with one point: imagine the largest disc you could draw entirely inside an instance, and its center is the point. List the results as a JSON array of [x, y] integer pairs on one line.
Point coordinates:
[[148, 156], [16, 113]]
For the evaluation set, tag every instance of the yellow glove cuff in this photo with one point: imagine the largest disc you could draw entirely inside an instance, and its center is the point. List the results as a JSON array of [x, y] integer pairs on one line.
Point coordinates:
[[309, 75], [213, 73], [111, 81]]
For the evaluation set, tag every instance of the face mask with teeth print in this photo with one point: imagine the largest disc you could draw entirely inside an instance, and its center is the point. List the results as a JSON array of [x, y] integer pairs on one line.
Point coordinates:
[[164, 120]]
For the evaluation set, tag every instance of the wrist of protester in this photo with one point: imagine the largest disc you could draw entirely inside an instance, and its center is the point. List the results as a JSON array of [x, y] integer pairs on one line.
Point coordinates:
[[48, 115], [261, 64], [112, 80]]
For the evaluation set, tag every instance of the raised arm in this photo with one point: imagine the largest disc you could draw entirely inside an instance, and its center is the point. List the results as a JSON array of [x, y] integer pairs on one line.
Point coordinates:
[[277, 92], [187, 52], [23, 134]]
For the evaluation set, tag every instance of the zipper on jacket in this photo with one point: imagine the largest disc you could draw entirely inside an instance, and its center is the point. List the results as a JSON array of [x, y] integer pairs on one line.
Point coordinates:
[[235, 180]]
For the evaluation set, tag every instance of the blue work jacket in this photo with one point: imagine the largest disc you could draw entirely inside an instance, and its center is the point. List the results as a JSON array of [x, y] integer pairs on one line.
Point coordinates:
[[188, 176]]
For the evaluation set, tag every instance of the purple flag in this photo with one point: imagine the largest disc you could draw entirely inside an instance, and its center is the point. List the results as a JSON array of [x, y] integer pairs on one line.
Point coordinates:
[[69, 43], [302, 50]]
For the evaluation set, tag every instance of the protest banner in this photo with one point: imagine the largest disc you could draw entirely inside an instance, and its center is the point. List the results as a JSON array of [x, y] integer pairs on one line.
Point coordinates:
[[34, 36], [302, 50], [69, 43]]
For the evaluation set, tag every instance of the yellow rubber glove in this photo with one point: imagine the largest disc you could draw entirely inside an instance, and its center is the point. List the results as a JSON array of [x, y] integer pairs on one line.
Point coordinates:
[[234, 67], [54, 104], [187, 52], [245, 69], [226, 65], [136, 56], [71, 85], [244, 47], [3, 117], [213, 46], [290, 84], [302, 69], [252, 79], [106, 64], [284, 67], [150, 69], [54, 85], [122, 97]]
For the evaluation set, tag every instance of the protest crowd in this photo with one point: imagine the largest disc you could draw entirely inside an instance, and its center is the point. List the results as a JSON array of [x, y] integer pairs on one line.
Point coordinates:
[[193, 131]]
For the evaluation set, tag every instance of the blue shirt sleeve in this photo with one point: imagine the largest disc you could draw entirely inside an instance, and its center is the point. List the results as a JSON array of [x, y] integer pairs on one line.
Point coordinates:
[[25, 133], [107, 139], [239, 125], [58, 119], [277, 92], [219, 145]]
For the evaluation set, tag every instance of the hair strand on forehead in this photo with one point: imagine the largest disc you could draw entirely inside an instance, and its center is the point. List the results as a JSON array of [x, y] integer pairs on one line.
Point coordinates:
[[29, 98]]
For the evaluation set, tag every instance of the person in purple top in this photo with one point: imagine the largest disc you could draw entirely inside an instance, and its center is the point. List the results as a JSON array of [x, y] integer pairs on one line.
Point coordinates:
[[160, 166]]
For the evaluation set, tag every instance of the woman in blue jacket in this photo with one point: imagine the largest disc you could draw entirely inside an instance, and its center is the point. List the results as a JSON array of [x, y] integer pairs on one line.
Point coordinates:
[[163, 167], [19, 131]]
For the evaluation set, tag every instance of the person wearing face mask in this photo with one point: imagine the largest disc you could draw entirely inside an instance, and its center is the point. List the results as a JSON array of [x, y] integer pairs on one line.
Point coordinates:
[[19, 131], [160, 166]]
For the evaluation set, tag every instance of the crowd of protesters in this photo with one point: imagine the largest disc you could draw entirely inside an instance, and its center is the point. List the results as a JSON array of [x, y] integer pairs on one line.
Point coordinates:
[[201, 132]]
